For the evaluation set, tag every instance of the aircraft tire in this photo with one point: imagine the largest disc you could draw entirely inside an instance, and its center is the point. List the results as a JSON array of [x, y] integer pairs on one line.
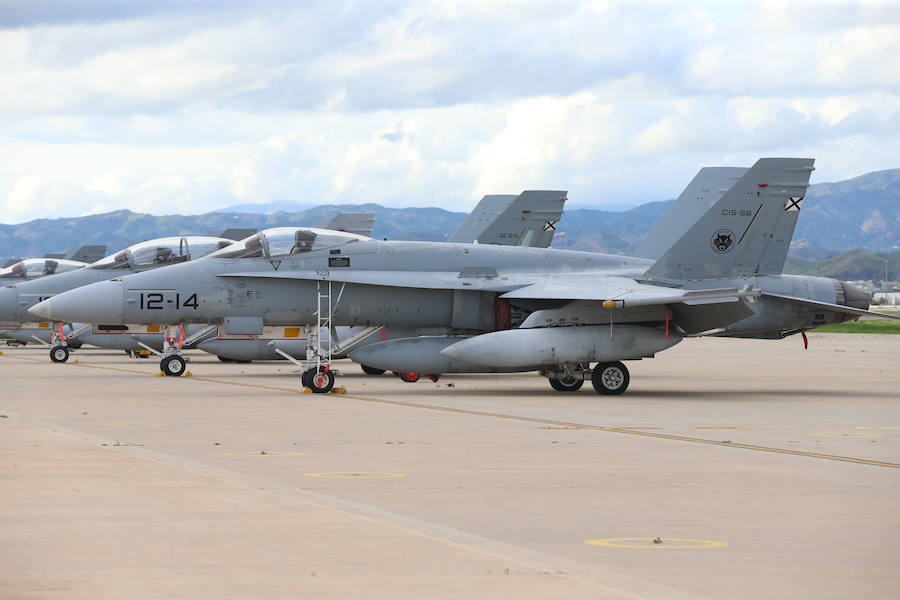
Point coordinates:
[[59, 354], [173, 366], [372, 370], [566, 385], [321, 383], [611, 378], [409, 377]]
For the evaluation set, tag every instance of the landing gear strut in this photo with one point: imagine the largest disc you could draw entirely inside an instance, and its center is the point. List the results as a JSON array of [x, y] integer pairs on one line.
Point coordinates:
[[172, 363]]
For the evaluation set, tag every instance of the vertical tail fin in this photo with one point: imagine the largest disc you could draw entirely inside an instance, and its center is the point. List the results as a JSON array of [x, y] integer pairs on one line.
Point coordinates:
[[89, 254], [358, 223], [733, 238], [484, 213], [707, 186], [530, 220]]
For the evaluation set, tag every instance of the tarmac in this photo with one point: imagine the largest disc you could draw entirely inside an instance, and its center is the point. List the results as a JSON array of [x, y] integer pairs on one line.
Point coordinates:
[[729, 469]]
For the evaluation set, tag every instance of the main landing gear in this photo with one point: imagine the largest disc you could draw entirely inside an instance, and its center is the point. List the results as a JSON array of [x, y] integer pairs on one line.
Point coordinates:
[[608, 378]]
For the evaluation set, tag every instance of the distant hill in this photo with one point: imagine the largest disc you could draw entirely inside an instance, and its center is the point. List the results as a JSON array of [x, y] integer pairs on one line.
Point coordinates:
[[863, 212], [854, 265]]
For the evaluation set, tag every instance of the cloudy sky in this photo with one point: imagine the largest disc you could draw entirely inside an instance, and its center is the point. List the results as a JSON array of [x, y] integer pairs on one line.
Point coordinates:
[[184, 106]]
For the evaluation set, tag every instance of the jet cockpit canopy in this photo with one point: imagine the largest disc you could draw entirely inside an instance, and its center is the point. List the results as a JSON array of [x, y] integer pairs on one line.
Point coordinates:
[[285, 241], [161, 251], [38, 267]]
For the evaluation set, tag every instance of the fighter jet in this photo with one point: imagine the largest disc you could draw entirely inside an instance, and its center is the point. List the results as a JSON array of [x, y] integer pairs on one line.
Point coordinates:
[[32, 268], [15, 300], [508, 309], [527, 219]]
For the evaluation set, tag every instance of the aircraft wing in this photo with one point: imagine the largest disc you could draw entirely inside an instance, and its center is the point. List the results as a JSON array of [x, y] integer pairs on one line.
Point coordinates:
[[623, 291], [834, 307], [440, 280]]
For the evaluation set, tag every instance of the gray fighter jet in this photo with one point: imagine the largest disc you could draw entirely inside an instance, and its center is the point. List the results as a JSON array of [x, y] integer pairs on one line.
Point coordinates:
[[505, 309], [527, 219], [15, 300]]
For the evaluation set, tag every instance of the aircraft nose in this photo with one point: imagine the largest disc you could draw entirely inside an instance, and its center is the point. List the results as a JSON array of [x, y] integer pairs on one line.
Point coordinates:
[[855, 297], [8, 298], [100, 302]]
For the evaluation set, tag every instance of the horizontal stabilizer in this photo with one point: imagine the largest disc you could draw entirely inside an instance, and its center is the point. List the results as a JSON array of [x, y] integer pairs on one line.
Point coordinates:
[[834, 307]]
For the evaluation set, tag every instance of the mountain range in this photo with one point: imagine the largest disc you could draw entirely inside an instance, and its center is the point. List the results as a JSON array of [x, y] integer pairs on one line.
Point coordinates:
[[863, 212]]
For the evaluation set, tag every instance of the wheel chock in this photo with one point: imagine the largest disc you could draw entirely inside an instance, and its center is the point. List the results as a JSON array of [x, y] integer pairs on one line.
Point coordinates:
[[188, 374], [75, 361], [306, 390], [160, 374], [339, 390]]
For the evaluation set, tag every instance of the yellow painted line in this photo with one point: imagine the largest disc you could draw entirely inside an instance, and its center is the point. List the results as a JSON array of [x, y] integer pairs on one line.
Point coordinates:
[[357, 475], [132, 425], [713, 427], [262, 453], [664, 436], [662, 544], [462, 411], [846, 435]]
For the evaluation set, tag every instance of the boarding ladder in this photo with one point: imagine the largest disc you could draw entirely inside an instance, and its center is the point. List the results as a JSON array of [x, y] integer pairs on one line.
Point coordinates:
[[318, 346]]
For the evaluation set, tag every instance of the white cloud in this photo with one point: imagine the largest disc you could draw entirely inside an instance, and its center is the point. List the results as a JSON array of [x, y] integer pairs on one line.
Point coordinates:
[[187, 108]]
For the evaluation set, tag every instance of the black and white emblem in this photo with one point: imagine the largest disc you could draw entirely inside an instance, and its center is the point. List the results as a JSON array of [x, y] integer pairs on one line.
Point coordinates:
[[550, 225], [723, 240], [793, 203]]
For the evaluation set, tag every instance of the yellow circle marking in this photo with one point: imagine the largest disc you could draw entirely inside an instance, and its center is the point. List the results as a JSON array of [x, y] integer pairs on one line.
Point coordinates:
[[262, 453], [849, 435], [670, 543], [357, 474]]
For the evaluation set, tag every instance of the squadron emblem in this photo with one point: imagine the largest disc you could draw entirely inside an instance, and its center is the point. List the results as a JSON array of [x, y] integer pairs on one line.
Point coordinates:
[[723, 240]]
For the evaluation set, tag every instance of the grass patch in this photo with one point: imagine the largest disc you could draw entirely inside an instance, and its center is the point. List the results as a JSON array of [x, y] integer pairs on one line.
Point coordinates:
[[867, 326]]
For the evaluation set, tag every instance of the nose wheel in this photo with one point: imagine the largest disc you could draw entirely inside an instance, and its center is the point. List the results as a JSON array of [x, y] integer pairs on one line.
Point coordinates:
[[59, 354], [319, 381], [173, 365]]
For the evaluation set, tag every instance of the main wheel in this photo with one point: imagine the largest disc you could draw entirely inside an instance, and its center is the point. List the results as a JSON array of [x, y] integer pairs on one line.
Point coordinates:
[[566, 384], [321, 383], [610, 378], [372, 370], [59, 354], [173, 366], [409, 377]]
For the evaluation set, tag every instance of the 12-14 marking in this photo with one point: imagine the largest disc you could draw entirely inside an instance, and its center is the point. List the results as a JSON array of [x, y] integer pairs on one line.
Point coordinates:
[[155, 300]]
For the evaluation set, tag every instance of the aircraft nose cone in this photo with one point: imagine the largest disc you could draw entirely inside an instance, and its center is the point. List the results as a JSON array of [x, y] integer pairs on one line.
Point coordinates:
[[855, 297], [8, 298], [100, 303]]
